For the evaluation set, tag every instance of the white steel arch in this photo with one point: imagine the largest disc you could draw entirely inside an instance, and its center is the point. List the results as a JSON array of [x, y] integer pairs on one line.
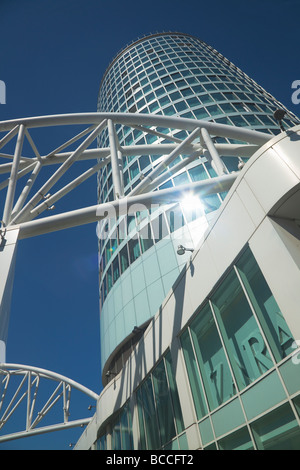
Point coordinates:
[[20, 174], [26, 390]]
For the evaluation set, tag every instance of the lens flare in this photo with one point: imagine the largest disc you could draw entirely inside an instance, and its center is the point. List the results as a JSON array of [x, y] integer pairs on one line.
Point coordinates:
[[190, 202]]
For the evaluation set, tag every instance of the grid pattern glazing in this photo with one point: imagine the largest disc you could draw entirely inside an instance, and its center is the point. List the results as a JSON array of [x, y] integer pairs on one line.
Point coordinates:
[[242, 371], [171, 74], [232, 348]]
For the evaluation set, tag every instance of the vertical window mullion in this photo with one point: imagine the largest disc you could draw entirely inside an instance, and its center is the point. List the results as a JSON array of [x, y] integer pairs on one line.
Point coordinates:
[[226, 347], [223, 345], [155, 406], [170, 395], [255, 315], [198, 369], [141, 417]]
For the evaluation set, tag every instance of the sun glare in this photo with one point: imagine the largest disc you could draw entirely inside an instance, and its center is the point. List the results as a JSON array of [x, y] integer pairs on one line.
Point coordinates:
[[191, 202]]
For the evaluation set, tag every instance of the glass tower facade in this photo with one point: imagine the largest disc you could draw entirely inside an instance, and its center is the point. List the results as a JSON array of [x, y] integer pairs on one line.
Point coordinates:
[[170, 74]]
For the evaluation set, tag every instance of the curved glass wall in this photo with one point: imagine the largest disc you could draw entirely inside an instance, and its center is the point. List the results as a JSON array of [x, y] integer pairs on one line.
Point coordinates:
[[241, 371], [171, 74], [235, 338]]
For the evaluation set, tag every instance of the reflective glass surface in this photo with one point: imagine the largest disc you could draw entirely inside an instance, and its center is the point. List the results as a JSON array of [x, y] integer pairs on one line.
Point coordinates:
[[159, 411]]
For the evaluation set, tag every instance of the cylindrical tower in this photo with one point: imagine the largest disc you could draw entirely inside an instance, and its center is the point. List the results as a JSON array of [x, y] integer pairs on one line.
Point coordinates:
[[171, 74]]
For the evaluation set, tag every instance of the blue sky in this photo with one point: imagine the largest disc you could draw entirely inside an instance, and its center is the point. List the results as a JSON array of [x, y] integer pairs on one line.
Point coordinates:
[[53, 54]]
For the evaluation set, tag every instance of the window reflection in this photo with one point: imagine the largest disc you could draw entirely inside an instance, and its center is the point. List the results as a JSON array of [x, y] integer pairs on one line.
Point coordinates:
[[159, 411], [121, 433], [246, 347], [211, 358], [237, 336], [275, 327]]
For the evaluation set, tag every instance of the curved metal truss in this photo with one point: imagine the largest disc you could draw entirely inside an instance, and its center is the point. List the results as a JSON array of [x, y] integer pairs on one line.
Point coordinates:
[[31, 204], [22, 387], [32, 190]]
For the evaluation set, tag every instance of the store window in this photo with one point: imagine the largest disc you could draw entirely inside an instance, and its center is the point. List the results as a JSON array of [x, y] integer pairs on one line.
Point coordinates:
[[194, 376], [239, 440], [159, 411], [121, 434], [124, 259], [146, 238], [278, 430], [245, 345], [270, 317], [101, 443], [211, 359], [236, 337], [134, 249]]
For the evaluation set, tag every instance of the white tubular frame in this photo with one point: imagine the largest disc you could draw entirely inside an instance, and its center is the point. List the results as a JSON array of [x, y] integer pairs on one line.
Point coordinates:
[[25, 210], [21, 217], [27, 390]]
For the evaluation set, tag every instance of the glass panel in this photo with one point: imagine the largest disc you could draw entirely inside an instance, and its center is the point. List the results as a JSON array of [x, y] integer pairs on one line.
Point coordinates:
[[181, 179], [187, 91], [297, 404], [180, 106], [130, 223], [210, 169], [211, 358], [211, 203], [146, 238], [166, 185], [150, 422], [239, 440], [175, 219], [134, 249], [142, 445], [272, 321], [211, 447], [126, 430], [198, 173], [183, 443], [174, 395], [104, 287], [193, 102], [277, 430], [214, 110], [201, 113], [101, 443], [238, 120], [163, 404], [159, 227], [108, 251], [144, 161], [169, 111], [227, 108], [109, 279], [253, 121], [134, 170], [116, 270], [244, 342], [116, 437], [122, 230], [193, 375], [124, 259]]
